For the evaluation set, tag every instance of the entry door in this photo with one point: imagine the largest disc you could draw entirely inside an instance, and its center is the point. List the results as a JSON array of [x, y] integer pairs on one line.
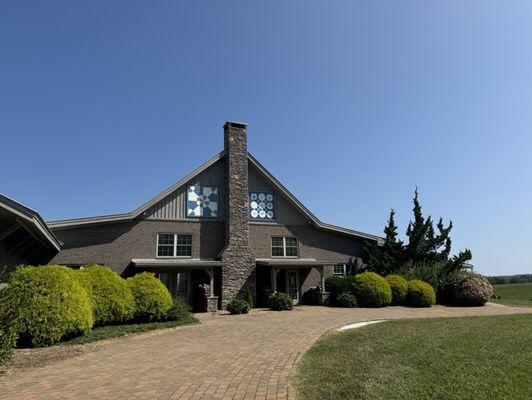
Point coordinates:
[[292, 285]]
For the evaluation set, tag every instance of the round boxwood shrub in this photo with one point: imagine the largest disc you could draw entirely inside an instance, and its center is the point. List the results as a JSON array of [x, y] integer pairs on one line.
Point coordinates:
[[110, 295], [45, 304], [467, 290], [238, 306], [372, 290], [312, 297], [281, 301], [152, 299], [399, 286], [420, 294], [346, 300]]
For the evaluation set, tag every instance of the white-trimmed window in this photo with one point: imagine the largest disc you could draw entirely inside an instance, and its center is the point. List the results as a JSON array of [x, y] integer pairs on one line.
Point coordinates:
[[174, 245], [283, 246], [339, 270]]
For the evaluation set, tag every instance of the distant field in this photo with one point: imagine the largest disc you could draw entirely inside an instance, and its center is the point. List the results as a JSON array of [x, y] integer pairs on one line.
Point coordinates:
[[437, 359], [513, 294]]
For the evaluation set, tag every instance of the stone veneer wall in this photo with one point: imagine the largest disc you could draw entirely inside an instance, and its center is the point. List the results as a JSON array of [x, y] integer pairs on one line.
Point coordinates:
[[238, 261]]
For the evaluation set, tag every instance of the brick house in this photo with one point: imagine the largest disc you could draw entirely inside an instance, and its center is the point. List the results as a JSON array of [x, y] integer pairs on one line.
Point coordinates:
[[229, 225]]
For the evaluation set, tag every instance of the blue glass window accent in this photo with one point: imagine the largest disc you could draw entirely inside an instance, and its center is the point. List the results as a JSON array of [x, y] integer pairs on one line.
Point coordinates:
[[261, 206], [202, 201]]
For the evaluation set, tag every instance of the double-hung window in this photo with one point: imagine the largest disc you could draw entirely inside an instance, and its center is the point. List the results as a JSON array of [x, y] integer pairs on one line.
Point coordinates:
[[174, 245], [283, 246], [339, 270]]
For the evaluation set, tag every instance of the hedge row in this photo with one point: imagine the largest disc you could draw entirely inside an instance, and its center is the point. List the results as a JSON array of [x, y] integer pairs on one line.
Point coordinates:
[[369, 289], [43, 305]]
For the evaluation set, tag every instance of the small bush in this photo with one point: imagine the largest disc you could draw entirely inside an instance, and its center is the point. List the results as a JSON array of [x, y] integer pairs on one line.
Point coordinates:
[[152, 299], [312, 297], [372, 290], [420, 294], [399, 286], [111, 298], [238, 306], [281, 301], [43, 305], [178, 312], [7, 342], [337, 285], [467, 290], [346, 300]]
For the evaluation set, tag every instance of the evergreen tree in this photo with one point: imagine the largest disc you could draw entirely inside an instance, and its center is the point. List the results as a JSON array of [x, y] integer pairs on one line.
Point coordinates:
[[425, 247]]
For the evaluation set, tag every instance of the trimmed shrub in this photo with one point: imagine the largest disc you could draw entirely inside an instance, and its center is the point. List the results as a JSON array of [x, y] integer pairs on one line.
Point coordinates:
[[312, 297], [467, 290], [399, 286], [152, 299], [43, 305], [178, 312], [281, 302], [7, 342], [420, 294], [110, 295], [372, 290], [337, 285], [238, 306], [346, 300]]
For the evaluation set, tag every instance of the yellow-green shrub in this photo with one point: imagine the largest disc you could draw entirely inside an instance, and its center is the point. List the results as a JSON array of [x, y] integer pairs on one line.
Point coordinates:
[[399, 286], [152, 299], [42, 305], [110, 295], [420, 294], [372, 290]]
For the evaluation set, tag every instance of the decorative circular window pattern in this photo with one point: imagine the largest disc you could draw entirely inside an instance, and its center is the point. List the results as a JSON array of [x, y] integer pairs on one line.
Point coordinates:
[[261, 206]]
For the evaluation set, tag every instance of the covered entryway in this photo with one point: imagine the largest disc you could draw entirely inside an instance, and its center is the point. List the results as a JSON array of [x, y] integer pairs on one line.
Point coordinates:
[[291, 276], [196, 282]]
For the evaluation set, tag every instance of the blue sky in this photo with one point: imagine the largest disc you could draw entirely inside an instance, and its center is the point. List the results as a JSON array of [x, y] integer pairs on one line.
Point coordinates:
[[351, 104]]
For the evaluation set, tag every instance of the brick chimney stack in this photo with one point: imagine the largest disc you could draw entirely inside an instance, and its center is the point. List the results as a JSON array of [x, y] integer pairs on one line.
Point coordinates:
[[238, 261]]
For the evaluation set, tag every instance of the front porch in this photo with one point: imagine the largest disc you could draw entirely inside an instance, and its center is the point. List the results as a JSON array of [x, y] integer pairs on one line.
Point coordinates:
[[195, 281], [291, 276]]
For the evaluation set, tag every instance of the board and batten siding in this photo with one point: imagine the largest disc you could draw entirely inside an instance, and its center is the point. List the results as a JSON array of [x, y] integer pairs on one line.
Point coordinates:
[[173, 205], [285, 213]]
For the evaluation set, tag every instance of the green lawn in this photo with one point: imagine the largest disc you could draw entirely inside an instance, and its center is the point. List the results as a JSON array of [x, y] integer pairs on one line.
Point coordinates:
[[110, 331], [513, 294], [443, 358]]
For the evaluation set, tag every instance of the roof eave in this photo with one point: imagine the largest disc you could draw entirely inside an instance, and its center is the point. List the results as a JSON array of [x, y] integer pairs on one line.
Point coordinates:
[[31, 216], [314, 220]]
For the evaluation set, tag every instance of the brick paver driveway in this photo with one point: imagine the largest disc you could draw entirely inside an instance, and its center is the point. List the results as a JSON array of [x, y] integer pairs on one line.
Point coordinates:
[[226, 357]]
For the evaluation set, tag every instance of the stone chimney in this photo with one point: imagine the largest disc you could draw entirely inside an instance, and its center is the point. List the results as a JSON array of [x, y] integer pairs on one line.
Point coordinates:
[[238, 261]]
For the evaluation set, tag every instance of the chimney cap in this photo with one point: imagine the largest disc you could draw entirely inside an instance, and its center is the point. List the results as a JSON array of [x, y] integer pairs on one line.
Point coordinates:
[[235, 124]]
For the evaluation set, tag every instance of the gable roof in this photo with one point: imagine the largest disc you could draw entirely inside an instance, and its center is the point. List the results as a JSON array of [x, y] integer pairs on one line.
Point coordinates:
[[269, 177], [30, 220]]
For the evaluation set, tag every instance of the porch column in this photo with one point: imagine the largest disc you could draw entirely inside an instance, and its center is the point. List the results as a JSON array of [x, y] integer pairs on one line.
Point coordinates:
[[324, 294], [212, 300], [274, 279], [322, 278]]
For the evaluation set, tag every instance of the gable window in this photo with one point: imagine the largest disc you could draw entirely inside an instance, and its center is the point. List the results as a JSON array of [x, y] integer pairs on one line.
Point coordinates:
[[174, 245], [283, 246], [339, 270]]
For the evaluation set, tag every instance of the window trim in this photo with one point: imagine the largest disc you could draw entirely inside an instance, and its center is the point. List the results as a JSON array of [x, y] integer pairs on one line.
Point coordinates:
[[175, 244], [344, 273], [284, 246]]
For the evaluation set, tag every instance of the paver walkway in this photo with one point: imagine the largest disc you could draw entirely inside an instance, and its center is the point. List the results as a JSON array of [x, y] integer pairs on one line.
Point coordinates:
[[226, 357]]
